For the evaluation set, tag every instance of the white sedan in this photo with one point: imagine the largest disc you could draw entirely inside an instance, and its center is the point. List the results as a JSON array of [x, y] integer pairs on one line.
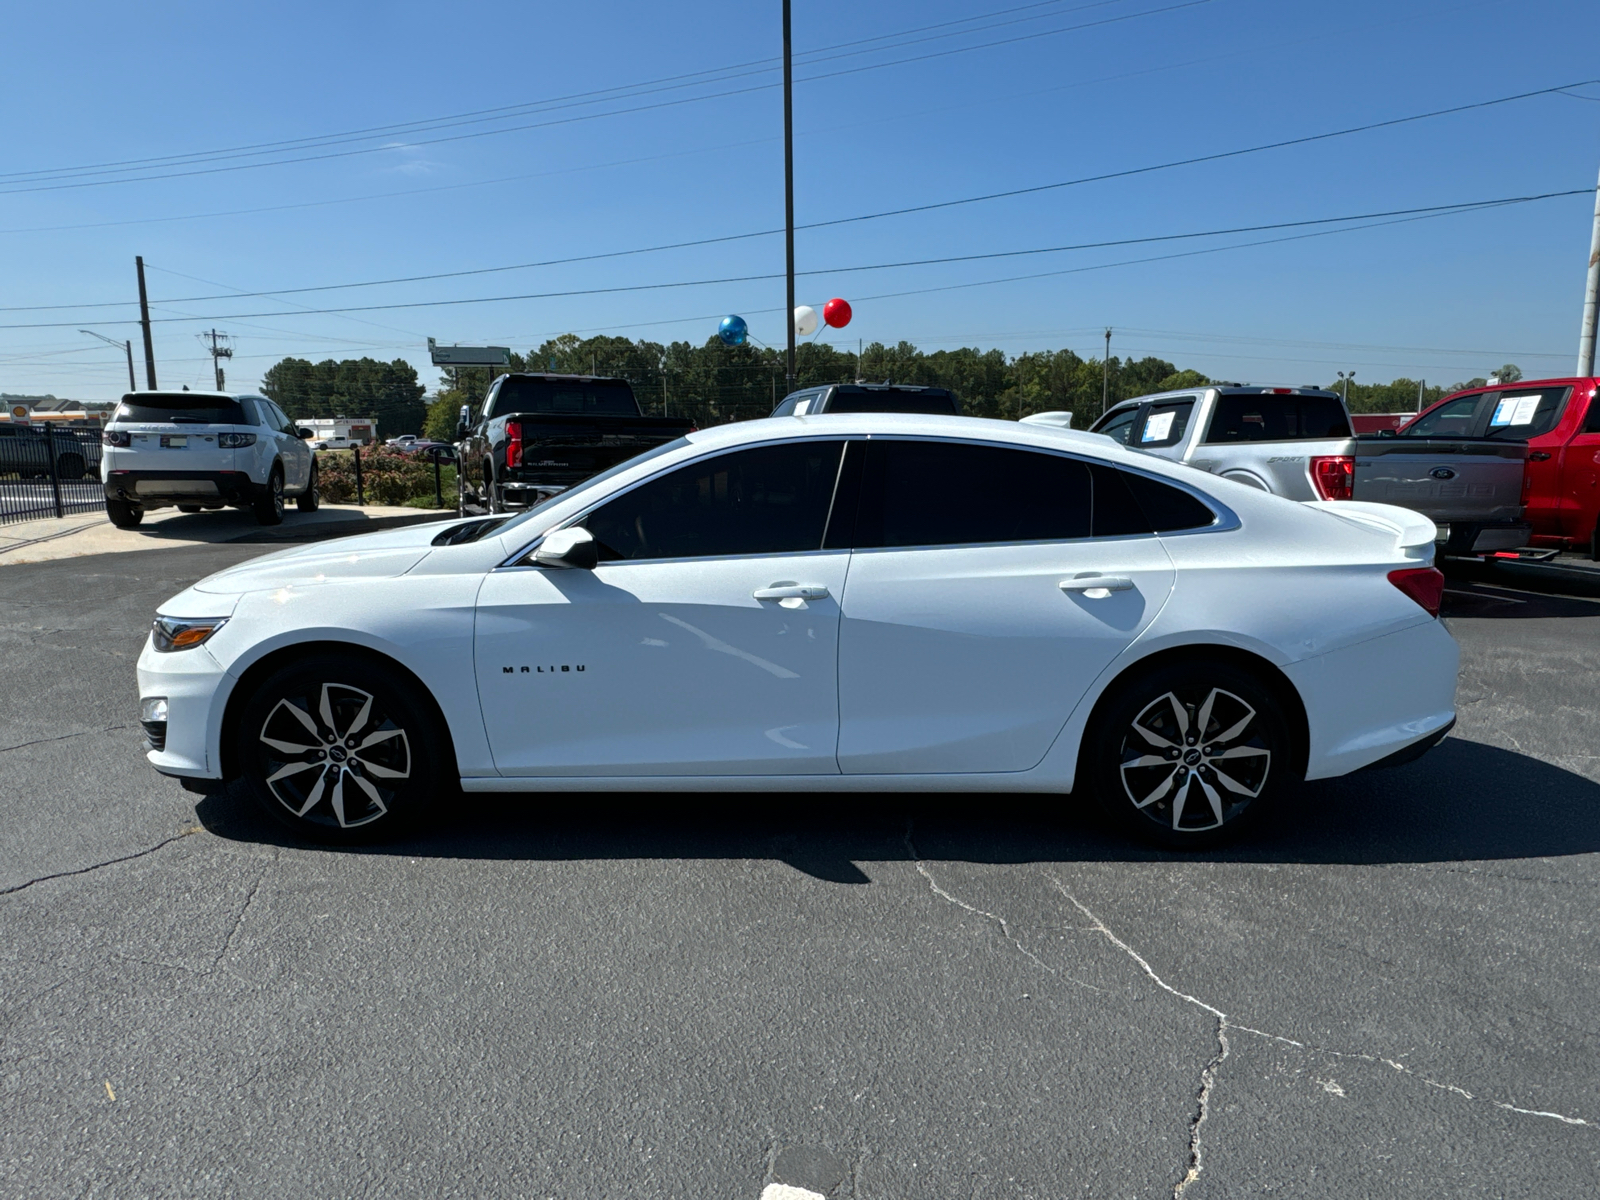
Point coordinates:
[[847, 603]]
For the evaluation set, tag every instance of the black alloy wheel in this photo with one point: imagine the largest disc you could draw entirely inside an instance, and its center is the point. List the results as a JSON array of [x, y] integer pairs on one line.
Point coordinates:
[[269, 505], [1186, 755], [310, 499], [124, 515], [340, 748], [70, 466]]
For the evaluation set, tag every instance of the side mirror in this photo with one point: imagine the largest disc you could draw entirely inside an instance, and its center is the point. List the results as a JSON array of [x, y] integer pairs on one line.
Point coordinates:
[[464, 421], [568, 548], [305, 434]]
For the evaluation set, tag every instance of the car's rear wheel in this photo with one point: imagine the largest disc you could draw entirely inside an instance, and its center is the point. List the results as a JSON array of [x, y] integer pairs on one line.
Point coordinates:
[[124, 515], [188, 508], [1188, 754], [269, 505], [70, 466], [341, 748], [311, 498]]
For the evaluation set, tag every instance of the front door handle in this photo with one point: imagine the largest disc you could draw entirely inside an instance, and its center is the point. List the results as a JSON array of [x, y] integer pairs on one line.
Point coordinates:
[[1103, 584], [792, 591]]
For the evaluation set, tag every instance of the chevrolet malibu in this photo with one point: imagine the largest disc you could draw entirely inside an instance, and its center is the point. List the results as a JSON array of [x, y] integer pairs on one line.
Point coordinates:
[[840, 602]]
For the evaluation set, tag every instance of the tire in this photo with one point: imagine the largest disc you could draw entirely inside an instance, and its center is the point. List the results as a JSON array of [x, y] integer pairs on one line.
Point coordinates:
[[189, 508], [371, 771], [1150, 766], [269, 505], [491, 491], [310, 499], [70, 466], [124, 515]]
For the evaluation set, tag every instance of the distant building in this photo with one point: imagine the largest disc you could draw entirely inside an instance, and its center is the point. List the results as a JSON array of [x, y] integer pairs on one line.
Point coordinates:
[[343, 431]]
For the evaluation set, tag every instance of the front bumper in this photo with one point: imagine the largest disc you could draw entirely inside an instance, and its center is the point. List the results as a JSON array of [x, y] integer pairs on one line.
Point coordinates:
[[190, 680], [181, 487]]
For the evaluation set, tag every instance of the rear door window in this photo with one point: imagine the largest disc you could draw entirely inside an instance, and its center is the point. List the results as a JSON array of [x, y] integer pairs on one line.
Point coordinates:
[[1524, 413], [1165, 424], [765, 500], [1265, 417], [929, 493]]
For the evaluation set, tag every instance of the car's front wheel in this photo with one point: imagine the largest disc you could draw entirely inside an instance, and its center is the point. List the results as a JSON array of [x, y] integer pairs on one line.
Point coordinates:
[[1187, 754], [341, 748]]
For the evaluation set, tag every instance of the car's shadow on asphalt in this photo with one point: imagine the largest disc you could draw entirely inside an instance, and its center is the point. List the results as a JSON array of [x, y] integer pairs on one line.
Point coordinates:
[[1463, 801]]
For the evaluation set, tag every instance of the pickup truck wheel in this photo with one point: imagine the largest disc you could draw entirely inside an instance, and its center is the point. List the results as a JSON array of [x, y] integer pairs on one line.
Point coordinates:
[[269, 505], [491, 491], [341, 749], [1187, 755], [124, 515]]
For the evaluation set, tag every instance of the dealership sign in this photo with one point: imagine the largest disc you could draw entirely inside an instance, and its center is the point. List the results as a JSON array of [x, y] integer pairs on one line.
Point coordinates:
[[468, 356]]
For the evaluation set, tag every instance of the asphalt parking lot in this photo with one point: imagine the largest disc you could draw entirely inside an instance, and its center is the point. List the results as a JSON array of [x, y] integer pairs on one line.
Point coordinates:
[[1389, 991]]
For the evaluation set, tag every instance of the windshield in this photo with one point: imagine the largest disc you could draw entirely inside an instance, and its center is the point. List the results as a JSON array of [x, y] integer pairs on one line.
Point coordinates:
[[579, 397], [591, 482], [184, 408]]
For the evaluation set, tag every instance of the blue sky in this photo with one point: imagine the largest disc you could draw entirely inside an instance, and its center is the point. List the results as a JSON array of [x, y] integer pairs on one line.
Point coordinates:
[[1076, 88]]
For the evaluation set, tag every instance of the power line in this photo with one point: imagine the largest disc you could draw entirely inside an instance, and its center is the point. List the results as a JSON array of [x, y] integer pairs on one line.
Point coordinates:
[[83, 183], [1411, 214]]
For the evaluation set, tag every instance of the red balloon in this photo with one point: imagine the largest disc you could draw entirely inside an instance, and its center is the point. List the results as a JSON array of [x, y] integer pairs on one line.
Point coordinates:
[[837, 313]]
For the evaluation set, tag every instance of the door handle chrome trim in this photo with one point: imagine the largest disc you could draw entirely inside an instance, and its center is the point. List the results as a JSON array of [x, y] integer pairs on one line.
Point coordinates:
[[1097, 583], [792, 591]]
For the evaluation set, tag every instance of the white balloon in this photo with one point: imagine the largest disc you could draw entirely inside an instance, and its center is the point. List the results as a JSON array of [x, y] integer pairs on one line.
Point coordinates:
[[805, 321]]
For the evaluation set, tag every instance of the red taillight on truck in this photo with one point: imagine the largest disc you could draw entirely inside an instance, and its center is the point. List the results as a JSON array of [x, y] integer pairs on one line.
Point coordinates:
[[1425, 585], [513, 443], [1334, 476]]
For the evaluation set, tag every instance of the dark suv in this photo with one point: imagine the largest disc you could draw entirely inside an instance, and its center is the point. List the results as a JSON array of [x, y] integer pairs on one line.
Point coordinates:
[[22, 451], [869, 397]]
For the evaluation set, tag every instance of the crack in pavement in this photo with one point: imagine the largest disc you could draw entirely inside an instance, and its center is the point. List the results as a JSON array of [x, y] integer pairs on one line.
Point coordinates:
[[244, 908], [110, 862], [1208, 1077], [63, 737]]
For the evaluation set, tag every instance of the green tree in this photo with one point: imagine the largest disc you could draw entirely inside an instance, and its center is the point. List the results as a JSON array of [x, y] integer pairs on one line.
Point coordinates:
[[354, 387]]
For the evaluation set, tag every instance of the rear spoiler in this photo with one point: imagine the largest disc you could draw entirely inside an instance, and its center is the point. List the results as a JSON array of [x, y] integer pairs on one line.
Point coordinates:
[[1413, 533]]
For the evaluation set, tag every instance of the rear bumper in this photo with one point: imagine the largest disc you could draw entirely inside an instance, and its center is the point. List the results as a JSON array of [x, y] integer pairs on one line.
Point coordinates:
[[1414, 751], [181, 487]]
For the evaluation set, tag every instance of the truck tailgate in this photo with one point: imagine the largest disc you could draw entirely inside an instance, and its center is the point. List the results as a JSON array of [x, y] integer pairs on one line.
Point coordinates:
[[1447, 479]]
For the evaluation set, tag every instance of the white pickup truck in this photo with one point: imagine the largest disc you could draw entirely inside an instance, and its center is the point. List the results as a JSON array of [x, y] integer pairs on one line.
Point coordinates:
[[1297, 443]]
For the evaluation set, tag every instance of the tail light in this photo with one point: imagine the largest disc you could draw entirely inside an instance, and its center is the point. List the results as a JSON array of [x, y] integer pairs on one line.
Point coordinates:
[[235, 441], [1334, 476], [513, 443], [116, 437], [1425, 585]]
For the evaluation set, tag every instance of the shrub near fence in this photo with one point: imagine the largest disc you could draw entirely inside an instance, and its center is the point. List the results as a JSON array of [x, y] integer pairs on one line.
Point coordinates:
[[386, 478]]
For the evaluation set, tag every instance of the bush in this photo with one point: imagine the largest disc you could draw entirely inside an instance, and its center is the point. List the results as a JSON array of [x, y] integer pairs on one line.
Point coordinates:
[[386, 478]]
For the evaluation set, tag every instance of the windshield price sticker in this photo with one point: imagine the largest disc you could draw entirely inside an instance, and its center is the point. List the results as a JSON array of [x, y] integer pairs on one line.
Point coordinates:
[[1158, 427], [1515, 410]]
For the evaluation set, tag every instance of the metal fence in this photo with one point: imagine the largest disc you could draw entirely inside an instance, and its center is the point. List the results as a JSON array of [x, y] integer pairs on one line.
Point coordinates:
[[48, 472]]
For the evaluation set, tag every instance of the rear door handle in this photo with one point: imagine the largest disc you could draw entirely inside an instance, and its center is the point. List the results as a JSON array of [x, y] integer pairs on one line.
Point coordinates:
[[1097, 583], [1539, 456], [792, 591]]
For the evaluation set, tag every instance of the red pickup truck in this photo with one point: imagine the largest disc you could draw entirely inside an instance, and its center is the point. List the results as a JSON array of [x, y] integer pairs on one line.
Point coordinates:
[[1560, 421]]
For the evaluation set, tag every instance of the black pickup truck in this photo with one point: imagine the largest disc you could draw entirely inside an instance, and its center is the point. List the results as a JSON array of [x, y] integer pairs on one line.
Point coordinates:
[[538, 434]]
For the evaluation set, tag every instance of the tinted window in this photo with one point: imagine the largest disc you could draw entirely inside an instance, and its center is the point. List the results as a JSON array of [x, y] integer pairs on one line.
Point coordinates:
[[182, 407], [1116, 512], [769, 500], [1453, 418], [1164, 425], [588, 397], [1592, 423], [949, 493], [892, 400], [1168, 509], [1118, 425], [1525, 412], [1269, 418]]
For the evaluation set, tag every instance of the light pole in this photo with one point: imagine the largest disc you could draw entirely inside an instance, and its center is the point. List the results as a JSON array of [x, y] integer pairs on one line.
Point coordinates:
[[1344, 384], [788, 191], [127, 347]]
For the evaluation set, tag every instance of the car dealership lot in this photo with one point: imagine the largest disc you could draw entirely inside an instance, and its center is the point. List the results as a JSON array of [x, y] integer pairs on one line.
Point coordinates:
[[896, 996]]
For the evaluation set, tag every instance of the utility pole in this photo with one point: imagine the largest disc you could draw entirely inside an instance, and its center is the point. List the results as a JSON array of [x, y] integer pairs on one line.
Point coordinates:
[[788, 189], [125, 346], [1105, 375], [144, 322], [218, 352], [1422, 387], [1591, 297]]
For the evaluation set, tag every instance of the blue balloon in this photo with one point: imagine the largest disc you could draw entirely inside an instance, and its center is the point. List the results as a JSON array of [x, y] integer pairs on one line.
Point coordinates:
[[733, 331]]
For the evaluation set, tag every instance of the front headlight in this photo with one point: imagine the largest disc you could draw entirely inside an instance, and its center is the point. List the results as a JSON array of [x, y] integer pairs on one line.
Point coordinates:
[[181, 633]]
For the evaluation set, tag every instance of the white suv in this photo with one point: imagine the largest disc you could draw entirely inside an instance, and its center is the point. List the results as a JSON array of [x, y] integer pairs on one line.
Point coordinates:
[[204, 450]]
